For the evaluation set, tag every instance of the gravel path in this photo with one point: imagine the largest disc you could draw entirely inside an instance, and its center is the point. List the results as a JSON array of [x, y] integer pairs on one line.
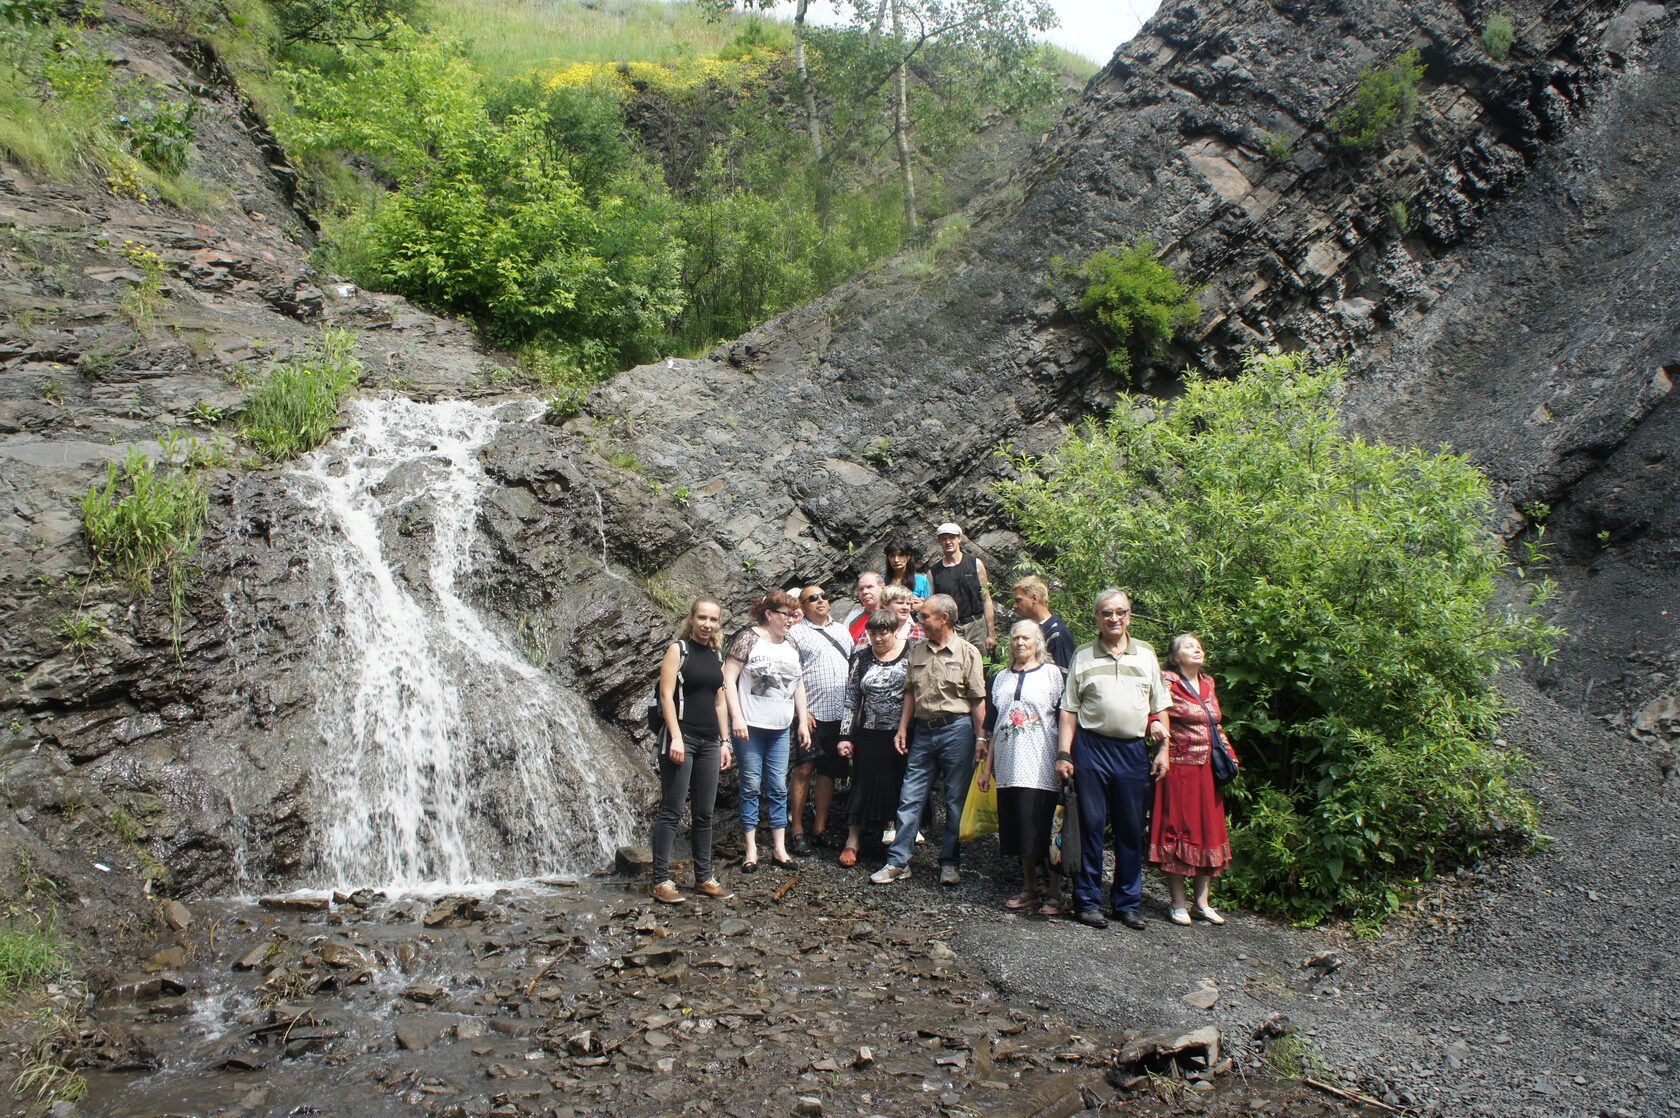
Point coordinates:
[[1534, 985]]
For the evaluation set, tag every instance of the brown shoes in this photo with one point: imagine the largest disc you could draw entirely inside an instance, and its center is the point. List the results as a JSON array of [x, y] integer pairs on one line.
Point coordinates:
[[666, 893], [712, 889]]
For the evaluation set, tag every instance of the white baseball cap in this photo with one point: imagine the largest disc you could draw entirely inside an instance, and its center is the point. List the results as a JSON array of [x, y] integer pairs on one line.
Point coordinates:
[[949, 528]]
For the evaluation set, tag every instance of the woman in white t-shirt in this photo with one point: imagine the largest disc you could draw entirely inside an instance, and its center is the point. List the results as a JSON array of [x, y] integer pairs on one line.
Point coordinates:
[[766, 696], [1026, 703]]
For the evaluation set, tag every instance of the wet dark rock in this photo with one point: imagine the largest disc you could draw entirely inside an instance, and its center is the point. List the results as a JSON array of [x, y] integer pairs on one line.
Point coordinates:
[[295, 904]]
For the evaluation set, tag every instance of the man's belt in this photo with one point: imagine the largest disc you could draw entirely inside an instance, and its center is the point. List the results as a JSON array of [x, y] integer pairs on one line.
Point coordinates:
[[939, 720]]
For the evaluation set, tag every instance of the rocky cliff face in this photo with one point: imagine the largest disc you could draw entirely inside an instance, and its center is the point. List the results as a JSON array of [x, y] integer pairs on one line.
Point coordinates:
[[1522, 311]]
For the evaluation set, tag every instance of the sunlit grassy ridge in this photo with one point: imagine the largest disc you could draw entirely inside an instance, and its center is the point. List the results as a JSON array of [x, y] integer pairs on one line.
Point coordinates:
[[511, 38]]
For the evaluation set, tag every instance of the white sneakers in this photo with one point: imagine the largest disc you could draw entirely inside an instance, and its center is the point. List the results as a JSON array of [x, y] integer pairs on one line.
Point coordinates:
[[1208, 914], [1180, 916], [889, 873]]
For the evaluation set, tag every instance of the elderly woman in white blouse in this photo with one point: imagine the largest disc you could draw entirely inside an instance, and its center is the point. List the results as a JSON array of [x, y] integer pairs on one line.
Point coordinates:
[[1023, 714]]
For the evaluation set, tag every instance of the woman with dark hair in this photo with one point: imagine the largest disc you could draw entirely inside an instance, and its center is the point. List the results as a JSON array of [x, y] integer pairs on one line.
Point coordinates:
[[766, 697], [901, 571], [691, 699], [1187, 832], [873, 706]]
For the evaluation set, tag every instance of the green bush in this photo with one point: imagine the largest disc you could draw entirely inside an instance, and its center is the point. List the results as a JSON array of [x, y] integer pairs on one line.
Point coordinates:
[[487, 219], [1140, 301], [294, 408], [144, 516], [1386, 100], [1499, 34], [160, 135], [1346, 592]]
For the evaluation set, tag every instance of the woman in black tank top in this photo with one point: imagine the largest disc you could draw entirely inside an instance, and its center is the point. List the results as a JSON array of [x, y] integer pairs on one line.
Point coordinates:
[[695, 749]]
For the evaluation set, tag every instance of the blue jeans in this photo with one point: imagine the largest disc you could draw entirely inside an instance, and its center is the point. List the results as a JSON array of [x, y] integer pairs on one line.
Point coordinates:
[[948, 750], [1111, 776], [763, 759]]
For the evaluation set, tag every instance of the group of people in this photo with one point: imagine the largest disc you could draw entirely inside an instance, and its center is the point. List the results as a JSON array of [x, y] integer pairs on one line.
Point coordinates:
[[1080, 742]]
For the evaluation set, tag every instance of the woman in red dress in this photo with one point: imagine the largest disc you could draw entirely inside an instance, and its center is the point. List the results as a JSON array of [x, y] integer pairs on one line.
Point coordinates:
[[1187, 835]]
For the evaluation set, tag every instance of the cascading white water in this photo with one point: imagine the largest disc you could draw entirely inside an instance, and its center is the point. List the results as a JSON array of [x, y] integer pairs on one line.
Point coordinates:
[[451, 758]]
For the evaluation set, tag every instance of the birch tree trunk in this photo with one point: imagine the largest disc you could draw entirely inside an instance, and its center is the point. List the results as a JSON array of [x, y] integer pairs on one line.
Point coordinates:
[[806, 94], [901, 123]]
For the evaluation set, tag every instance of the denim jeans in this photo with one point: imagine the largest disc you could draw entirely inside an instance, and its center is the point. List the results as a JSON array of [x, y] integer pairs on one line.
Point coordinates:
[[949, 751], [763, 759]]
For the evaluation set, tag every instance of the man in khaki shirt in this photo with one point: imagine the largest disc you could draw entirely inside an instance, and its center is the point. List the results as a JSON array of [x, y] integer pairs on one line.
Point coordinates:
[[1115, 700], [941, 731]]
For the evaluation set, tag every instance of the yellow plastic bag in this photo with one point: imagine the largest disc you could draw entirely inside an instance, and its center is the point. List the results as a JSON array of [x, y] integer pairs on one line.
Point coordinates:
[[980, 810]]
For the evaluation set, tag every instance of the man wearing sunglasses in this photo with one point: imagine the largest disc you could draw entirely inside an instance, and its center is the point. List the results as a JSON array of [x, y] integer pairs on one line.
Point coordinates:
[[824, 646]]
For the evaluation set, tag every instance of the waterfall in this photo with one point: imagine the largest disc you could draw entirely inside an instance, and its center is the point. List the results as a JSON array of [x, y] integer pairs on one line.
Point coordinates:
[[450, 759]]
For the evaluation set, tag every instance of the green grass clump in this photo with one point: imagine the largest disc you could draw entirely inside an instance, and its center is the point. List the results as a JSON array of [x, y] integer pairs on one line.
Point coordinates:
[[294, 408], [510, 38], [1356, 608], [29, 957], [1385, 101], [143, 517]]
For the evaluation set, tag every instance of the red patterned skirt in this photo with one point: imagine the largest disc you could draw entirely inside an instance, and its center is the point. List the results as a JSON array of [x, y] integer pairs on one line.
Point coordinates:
[[1187, 832]]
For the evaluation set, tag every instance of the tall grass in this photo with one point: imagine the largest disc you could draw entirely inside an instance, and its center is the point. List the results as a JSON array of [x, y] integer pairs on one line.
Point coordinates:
[[28, 957], [294, 408], [143, 517]]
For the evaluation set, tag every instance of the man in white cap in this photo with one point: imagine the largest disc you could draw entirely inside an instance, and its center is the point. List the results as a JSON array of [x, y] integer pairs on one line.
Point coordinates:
[[963, 577]]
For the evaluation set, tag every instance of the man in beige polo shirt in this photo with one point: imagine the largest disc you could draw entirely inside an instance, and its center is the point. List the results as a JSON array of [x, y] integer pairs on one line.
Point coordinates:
[[1115, 704], [942, 732]]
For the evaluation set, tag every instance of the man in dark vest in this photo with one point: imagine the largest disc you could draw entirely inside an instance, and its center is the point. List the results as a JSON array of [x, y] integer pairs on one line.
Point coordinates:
[[963, 577]]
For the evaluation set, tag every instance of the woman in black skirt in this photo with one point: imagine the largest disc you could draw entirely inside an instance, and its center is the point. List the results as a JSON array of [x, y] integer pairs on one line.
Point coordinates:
[[874, 704], [1026, 701]]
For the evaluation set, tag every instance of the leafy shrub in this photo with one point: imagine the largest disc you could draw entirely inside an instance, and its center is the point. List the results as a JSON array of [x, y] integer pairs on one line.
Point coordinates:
[[1140, 301], [1499, 35], [1346, 594], [1386, 100], [160, 135], [144, 516], [488, 220], [293, 410]]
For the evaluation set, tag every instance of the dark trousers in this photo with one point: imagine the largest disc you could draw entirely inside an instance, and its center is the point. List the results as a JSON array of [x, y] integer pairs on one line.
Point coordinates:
[[698, 774], [1111, 777]]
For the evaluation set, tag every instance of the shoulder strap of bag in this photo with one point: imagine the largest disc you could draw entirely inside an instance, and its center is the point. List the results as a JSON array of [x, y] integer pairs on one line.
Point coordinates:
[[1216, 739], [682, 662], [838, 647]]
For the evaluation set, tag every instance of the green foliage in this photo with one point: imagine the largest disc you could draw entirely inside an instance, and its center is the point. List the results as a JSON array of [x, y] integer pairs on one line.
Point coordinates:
[[488, 220], [880, 455], [62, 111], [294, 408], [1139, 301], [1280, 149], [29, 956], [160, 135], [140, 301], [1499, 35], [81, 630], [1385, 101], [1346, 592], [144, 516], [940, 254], [1398, 215], [332, 21]]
